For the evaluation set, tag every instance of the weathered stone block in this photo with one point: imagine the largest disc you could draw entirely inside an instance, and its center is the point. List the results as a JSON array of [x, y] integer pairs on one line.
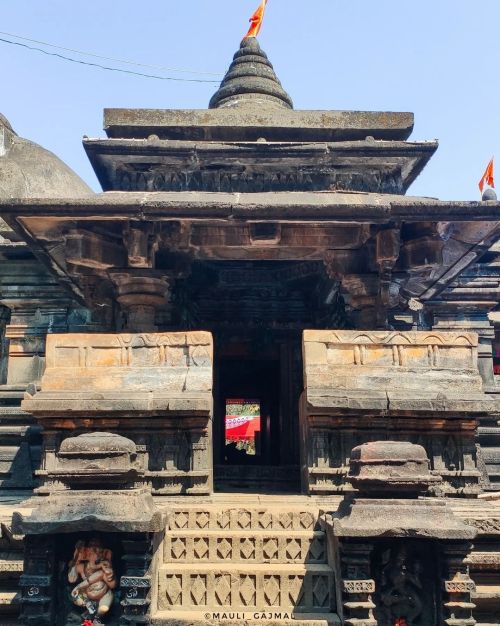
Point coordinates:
[[126, 373], [415, 364]]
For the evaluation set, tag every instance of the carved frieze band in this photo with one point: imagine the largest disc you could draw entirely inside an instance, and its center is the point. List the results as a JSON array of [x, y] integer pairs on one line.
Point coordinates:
[[162, 178], [391, 349], [359, 586]]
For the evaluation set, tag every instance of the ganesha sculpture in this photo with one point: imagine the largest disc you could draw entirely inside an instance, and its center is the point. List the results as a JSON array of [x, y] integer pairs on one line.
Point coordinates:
[[92, 570]]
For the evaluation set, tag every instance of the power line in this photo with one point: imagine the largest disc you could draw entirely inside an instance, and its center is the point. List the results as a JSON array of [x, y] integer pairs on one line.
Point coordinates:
[[115, 60], [104, 67]]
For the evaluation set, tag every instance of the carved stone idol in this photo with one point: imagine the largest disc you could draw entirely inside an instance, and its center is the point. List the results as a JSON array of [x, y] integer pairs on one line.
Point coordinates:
[[92, 570]]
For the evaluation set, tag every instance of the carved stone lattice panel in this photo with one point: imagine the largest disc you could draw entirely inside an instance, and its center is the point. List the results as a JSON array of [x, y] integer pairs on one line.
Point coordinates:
[[216, 518], [241, 547], [189, 588]]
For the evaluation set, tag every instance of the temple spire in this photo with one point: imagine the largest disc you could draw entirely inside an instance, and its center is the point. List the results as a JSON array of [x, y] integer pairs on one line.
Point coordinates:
[[251, 80]]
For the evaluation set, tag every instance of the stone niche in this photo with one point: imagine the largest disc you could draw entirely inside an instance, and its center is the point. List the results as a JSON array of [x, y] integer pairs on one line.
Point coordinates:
[[155, 389], [422, 387], [89, 550]]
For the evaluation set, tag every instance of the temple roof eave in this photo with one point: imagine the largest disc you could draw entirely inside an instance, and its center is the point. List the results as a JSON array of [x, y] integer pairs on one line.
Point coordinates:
[[306, 206], [404, 160]]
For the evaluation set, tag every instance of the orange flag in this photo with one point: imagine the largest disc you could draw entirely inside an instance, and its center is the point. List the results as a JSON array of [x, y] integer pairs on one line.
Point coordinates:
[[488, 177], [256, 20]]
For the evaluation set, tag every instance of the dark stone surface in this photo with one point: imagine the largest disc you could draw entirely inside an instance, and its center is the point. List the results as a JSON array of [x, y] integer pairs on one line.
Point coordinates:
[[88, 511], [390, 467]]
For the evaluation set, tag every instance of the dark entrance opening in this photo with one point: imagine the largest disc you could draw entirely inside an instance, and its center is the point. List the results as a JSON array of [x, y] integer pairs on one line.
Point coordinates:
[[253, 421]]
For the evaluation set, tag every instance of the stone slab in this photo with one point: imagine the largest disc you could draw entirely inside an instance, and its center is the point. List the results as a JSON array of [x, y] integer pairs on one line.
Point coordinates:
[[252, 123], [303, 205], [127, 511], [423, 518]]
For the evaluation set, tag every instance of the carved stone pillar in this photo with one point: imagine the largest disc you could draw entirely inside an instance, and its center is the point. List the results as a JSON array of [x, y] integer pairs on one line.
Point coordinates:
[[38, 582], [136, 580], [357, 585], [141, 294], [458, 586], [386, 255], [4, 350]]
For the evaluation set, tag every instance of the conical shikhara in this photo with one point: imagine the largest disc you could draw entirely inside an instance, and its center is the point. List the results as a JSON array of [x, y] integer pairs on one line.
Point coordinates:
[[251, 80]]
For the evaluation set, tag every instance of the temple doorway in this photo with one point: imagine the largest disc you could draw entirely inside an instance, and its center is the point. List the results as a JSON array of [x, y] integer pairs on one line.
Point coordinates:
[[256, 423]]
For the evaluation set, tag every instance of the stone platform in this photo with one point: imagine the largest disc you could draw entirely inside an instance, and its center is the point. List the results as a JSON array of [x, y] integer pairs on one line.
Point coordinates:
[[240, 538]]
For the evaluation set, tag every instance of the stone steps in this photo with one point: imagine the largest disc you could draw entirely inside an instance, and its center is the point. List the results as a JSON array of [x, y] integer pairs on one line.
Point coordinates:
[[11, 568], [246, 587], [230, 618], [256, 546], [260, 559], [236, 518]]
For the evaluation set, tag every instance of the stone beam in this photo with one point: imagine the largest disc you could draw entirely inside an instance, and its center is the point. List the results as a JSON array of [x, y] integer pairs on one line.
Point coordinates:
[[251, 125]]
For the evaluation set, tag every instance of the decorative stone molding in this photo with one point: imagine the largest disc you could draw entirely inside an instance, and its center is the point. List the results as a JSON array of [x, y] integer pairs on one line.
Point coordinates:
[[127, 374], [339, 362]]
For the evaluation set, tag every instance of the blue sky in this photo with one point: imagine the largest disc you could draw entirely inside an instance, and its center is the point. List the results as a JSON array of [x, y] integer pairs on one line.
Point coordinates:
[[437, 58]]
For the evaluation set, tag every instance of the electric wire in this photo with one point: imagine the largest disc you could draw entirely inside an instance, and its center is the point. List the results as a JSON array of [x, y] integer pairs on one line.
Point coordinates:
[[109, 69], [115, 60]]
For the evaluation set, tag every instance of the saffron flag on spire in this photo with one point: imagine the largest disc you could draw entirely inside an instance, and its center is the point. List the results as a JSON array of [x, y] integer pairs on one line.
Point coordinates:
[[488, 177], [256, 20]]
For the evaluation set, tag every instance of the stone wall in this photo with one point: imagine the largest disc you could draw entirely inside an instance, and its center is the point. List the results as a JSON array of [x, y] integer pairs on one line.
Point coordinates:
[[423, 387], [154, 388]]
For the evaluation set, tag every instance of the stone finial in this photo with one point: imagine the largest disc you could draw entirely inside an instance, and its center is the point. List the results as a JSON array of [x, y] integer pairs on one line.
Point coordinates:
[[489, 195], [393, 468], [251, 80]]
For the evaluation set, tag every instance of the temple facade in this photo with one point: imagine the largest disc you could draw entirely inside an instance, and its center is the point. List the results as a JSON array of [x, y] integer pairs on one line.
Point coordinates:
[[252, 381]]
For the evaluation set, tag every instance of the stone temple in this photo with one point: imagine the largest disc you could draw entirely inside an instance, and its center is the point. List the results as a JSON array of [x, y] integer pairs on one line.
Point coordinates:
[[252, 381]]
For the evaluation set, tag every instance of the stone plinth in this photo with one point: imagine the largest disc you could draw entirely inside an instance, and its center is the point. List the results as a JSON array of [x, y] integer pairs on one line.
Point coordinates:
[[107, 505], [422, 387], [154, 388]]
